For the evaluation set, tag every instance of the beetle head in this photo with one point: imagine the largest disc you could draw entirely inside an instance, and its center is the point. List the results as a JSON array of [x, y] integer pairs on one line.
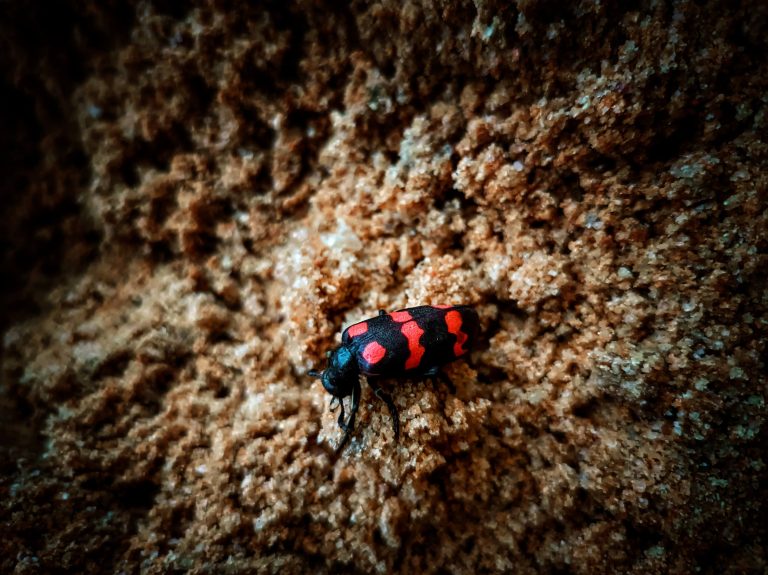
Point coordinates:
[[341, 374]]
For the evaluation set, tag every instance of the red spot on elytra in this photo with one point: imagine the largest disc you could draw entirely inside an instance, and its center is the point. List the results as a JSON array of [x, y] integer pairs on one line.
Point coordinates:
[[453, 321], [374, 352], [413, 333], [357, 329], [401, 316]]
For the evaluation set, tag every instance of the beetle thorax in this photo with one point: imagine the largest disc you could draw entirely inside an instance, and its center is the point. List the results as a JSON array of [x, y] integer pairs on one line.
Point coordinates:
[[342, 372]]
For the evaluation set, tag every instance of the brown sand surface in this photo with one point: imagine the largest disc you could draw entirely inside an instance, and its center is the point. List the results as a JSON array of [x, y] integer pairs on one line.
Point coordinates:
[[198, 197]]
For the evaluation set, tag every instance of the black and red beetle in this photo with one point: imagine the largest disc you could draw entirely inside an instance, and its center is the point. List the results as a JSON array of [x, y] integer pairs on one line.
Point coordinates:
[[413, 342]]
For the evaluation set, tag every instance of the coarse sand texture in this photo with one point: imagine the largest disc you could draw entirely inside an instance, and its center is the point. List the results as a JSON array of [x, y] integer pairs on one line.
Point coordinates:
[[198, 197]]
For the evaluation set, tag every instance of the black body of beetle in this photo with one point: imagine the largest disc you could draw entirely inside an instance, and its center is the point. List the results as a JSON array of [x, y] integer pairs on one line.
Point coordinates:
[[413, 342]]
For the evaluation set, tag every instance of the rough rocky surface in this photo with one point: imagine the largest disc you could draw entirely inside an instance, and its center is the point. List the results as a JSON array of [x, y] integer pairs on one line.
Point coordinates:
[[198, 197]]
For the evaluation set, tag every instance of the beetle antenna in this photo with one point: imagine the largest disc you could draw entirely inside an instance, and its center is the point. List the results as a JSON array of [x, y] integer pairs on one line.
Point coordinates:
[[315, 373]]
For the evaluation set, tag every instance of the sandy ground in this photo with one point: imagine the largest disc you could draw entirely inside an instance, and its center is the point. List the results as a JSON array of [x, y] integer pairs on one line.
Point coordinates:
[[197, 199]]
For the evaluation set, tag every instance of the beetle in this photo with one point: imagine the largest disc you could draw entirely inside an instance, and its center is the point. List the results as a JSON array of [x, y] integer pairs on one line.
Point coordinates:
[[413, 342]]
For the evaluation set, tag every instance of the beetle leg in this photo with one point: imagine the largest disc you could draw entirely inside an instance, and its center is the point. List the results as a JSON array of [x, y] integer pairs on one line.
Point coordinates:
[[341, 416], [314, 373], [350, 425], [382, 312], [386, 398], [441, 375], [438, 374]]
